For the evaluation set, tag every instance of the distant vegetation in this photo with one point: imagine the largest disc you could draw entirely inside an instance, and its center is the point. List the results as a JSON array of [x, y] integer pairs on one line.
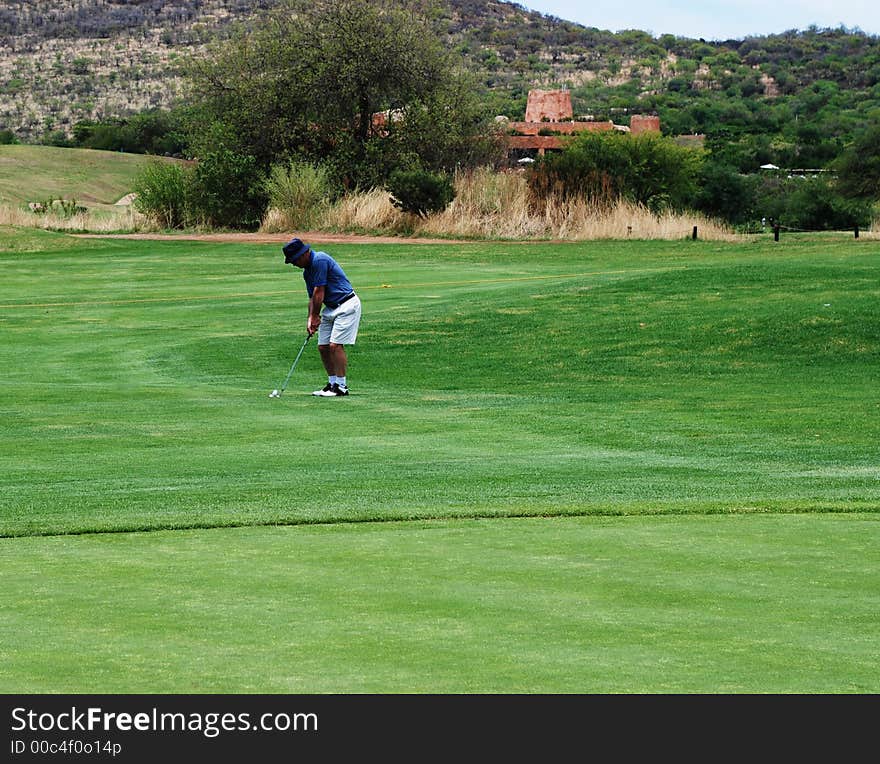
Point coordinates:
[[487, 204], [793, 99], [70, 189]]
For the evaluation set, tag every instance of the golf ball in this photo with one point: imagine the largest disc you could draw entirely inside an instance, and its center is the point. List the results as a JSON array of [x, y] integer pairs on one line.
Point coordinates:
[[273, 394]]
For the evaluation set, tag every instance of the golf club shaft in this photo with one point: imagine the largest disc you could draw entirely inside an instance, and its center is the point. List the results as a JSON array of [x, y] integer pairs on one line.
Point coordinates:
[[295, 362]]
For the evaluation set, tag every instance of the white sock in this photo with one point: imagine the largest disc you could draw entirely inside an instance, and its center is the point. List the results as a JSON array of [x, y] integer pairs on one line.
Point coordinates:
[[341, 381], [332, 379]]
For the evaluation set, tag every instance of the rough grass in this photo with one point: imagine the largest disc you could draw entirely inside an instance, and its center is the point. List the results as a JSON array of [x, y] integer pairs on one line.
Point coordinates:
[[95, 179], [100, 220]]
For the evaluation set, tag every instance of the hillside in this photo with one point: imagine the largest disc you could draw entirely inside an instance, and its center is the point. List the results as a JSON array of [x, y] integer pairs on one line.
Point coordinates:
[[96, 179], [63, 61]]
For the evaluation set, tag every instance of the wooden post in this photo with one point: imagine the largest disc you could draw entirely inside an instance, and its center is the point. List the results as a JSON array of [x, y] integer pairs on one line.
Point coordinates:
[[776, 232], [694, 234], [857, 232]]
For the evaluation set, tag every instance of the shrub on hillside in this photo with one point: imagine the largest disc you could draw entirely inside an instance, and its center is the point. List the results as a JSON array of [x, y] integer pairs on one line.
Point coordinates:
[[602, 168], [727, 194], [111, 135], [812, 204], [57, 138], [150, 132], [858, 168]]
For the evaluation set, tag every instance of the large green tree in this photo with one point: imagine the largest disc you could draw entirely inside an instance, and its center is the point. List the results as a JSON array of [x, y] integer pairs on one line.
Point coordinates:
[[858, 168], [306, 80]]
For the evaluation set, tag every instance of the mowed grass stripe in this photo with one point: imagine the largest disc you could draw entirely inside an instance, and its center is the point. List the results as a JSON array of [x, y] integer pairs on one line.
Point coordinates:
[[368, 287]]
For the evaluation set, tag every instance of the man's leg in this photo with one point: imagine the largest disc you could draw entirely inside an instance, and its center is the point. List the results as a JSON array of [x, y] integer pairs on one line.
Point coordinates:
[[334, 359], [338, 359], [327, 358], [343, 329]]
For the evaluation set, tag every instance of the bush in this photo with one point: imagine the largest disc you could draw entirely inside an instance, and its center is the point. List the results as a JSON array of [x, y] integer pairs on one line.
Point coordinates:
[[602, 168], [228, 190], [56, 138], [161, 189], [102, 136], [150, 132], [859, 167], [61, 208], [420, 192], [725, 193], [815, 205], [299, 192]]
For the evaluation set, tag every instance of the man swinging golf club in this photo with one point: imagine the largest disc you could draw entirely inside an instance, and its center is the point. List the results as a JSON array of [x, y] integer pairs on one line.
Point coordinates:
[[337, 325]]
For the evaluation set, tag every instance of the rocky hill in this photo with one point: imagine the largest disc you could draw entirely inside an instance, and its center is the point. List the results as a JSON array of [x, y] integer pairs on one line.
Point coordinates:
[[63, 61]]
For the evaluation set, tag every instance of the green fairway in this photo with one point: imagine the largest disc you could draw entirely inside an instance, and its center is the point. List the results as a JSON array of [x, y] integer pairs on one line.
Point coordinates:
[[635, 604], [613, 394]]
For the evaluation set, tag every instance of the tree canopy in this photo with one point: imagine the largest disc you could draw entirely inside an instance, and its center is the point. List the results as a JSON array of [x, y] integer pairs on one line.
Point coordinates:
[[306, 79], [858, 167]]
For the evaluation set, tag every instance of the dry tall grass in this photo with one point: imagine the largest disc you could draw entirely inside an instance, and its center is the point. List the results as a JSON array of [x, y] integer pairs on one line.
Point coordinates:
[[487, 205], [498, 205], [370, 211], [125, 219], [493, 205], [298, 194]]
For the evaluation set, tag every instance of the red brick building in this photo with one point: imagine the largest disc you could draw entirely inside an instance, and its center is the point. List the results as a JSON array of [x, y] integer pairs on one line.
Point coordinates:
[[550, 118]]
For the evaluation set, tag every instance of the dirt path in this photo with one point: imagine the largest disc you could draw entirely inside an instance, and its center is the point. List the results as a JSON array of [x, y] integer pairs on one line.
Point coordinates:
[[311, 237]]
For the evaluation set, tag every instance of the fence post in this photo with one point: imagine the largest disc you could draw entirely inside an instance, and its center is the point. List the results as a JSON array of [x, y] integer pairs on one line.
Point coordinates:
[[694, 234], [776, 232], [857, 232]]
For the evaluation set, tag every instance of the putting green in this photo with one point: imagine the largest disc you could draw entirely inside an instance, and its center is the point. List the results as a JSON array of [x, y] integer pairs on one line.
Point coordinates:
[[614, 604]]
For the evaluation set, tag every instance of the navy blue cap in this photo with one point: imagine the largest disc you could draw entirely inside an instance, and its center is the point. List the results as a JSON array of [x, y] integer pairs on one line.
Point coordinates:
[[294, 249]]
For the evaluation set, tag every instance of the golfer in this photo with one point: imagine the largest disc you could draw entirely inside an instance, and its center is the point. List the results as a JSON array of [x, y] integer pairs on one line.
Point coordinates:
[[337, 325]]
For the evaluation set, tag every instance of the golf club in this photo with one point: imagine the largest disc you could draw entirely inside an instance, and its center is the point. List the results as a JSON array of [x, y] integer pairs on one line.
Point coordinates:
[[277, 393]]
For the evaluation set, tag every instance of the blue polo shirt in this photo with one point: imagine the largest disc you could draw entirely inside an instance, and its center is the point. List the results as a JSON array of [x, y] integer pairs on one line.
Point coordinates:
[[324, 271]]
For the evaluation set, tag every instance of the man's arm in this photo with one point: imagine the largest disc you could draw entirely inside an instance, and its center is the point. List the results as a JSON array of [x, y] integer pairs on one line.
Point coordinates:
[[317, 299]]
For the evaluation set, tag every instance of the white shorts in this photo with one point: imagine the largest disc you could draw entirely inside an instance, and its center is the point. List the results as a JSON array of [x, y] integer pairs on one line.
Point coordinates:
[[340, 325]]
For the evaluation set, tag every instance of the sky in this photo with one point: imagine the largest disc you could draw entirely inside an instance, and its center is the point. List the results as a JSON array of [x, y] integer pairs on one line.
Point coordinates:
[[715, 19]]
